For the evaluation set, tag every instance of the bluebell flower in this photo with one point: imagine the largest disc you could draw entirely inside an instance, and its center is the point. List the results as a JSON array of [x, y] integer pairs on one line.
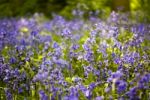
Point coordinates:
[[77, 79], [88, 94], [99, 98], [23, 42], [88, 56], [145, 78], [110, 79], [66, 98], [43, 96], [72, 97], [46, 38], [34, 33], [92, 86], [20, 90], [144, 81], [141, 29], [73, 93], [117, 74], [66, 32], [108, 89], [120, 67], [121, 86], [8, 94], [132, 93], [117, 61], [114, 17], [88, 69], [55, 45], [58, 52], [86, 47], [97, 72], [93, 33], [16, 72], [113, 55], [131, 60], [109, 72], [75, 46], [41, 76], [12, 60]]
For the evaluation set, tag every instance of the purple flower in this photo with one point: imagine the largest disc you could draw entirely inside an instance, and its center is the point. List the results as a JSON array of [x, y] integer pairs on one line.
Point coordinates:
[[20, 90], [72, 97], [117, 61], [87, 94], [109, 72], [144, 81], [121, 86], [34, 33], [77, 79], [88, 56], [117, 74], [107, 89], [110, 79], [8, 94], [99, 98], [93, 33], [66, 32], [132, 93], [86, 47], [55, 45], [12, 60], [97, 72], [145, 78], [113, 55], [41, 76], [43, 96], [66, 98], [92, 86], [75, 47]]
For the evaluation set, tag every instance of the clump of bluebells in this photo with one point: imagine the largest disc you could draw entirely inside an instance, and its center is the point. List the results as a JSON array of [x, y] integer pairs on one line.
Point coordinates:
[[74, 60]]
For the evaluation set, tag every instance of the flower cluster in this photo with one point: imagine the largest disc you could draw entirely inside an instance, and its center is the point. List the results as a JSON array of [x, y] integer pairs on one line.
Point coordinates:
[[74, 60]]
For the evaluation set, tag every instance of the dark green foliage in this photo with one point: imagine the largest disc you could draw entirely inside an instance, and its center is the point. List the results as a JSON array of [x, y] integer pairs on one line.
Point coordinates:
[[9, 8], [16, 8], [145, 6]]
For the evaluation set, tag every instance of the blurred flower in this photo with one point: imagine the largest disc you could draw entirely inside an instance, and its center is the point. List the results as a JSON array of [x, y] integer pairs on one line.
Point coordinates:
[[121, 86], [99, 98]]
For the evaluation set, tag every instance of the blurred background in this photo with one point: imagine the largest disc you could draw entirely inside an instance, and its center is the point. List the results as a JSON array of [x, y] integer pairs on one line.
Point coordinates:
[[71, 8]]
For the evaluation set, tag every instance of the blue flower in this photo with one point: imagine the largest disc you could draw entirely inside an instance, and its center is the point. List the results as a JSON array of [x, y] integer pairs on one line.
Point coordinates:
[[144, 81], [43, 96], [20, 90], [66, 32], [107, 89], [12, 60], [92, 86], [93, 33], [99, 98], [34, 33], [8, 94], [113, 55], [145, 78], [132, 93], [88, 56], [75, 47], [66, 98], [121, 86], [55, 45], [117, 74], [72, 97], [86, 47]]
